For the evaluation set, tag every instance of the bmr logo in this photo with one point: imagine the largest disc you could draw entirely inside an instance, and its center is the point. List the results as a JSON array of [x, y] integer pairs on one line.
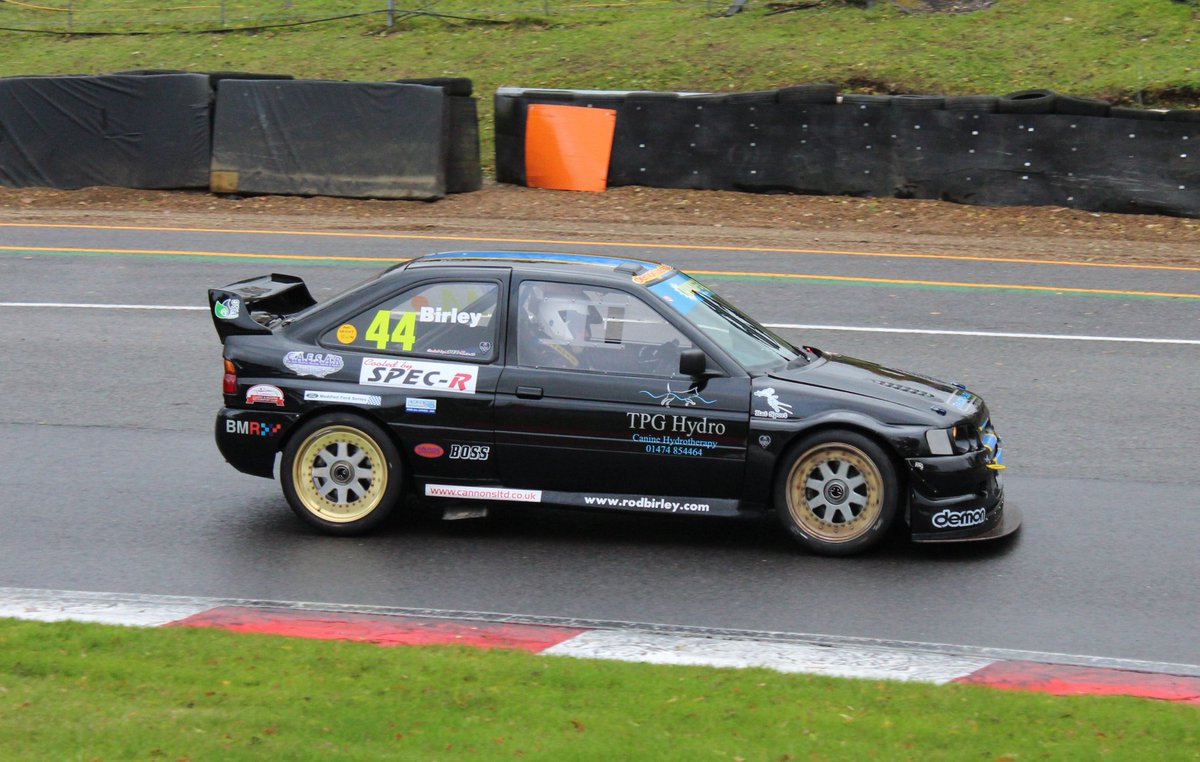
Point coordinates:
[[252, 428]]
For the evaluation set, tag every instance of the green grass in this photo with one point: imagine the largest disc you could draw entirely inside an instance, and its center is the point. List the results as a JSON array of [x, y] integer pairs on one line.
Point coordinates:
[[1124, 50], [76, 691]]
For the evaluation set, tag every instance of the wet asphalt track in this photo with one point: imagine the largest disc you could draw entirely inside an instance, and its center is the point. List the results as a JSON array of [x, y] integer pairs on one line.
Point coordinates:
[[111, 481]]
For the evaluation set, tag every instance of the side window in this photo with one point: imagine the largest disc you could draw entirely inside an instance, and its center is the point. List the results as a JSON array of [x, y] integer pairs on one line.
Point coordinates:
[[574, 327], [449, 319]]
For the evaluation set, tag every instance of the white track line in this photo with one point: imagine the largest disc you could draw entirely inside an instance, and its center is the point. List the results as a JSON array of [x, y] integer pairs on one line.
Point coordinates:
[[984, 334], [79, 306], [797, 326]]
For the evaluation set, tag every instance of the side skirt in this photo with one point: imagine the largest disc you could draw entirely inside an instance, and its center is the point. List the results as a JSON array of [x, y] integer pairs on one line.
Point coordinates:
[[694, 506]]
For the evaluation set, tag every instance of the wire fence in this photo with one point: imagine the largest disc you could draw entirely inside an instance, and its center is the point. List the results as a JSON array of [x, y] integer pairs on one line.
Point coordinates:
[[143, 17]]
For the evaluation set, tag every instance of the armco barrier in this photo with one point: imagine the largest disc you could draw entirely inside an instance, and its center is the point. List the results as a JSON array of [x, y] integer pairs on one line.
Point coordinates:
[[364, 139], [1008, 150], [122, 130]]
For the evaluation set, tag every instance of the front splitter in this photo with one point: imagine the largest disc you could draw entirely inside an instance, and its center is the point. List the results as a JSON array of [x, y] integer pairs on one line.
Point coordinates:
[[1010, 521]]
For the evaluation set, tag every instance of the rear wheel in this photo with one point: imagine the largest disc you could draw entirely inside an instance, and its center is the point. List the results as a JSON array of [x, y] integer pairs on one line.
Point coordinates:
[[837, 493], [341, 474]]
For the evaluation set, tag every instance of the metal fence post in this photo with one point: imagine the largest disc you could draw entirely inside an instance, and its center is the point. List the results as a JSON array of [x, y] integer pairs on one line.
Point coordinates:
[[391, 13]]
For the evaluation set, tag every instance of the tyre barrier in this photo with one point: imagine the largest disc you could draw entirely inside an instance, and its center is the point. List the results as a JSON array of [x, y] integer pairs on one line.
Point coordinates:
[[240, 132], [1031, 147]]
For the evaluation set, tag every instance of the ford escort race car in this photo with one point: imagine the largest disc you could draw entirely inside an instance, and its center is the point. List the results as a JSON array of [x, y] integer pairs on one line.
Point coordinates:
[[596, 382]]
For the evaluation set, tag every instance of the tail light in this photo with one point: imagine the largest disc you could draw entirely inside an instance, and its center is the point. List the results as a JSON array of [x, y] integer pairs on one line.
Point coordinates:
[[229, 383]]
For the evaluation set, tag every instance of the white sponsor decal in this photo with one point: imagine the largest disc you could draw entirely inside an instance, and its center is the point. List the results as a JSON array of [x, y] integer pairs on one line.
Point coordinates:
[[312, 363], [469, 452], [228, 309], [452, 315], [352, 399], [265, 393], [419, 405], [948, 519], [647, 503], [484, 493], [778, 409], [447, 377], [676, 424]]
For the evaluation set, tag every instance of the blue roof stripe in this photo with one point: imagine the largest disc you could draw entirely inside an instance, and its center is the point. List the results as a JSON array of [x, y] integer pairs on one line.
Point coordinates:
[[542, 256]]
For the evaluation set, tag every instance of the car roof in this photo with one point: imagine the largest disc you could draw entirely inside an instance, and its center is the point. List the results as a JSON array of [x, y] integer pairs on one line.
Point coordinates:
[[549, 261]]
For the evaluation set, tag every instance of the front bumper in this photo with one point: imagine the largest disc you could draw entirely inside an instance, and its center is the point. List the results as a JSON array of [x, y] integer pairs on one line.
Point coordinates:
[[249, 439], [954, 498]]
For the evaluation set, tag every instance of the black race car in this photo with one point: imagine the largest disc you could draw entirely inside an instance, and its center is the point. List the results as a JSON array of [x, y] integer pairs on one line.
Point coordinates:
[[589, 381]]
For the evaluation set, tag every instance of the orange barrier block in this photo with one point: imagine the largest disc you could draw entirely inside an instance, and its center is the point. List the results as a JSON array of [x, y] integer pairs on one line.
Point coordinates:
[[568, 147]]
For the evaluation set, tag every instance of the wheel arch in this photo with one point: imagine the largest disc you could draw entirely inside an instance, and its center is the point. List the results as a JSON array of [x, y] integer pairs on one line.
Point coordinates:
[[358, 412], [857, 424]]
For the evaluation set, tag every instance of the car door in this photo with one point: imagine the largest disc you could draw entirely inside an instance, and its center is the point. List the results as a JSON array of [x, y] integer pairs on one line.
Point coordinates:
[[591, 399], [428, 356]]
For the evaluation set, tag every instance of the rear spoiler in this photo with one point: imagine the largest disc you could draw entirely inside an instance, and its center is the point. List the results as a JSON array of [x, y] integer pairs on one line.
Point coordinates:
[[254, 305]]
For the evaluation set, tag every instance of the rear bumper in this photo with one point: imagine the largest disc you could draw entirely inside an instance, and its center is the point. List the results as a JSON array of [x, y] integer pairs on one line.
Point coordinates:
[[249, 439], [956, 498]]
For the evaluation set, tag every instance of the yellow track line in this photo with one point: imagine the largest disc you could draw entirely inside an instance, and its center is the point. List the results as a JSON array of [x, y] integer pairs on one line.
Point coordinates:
[[735, 273], [621, 244], [956, 284], [229, 254]]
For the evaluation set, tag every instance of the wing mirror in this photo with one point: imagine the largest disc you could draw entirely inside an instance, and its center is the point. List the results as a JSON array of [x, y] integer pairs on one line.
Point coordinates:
[[694, 363]]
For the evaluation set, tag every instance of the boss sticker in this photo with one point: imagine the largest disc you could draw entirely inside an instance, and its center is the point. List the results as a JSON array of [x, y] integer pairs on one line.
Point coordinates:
[[470, 452], [410, 374]]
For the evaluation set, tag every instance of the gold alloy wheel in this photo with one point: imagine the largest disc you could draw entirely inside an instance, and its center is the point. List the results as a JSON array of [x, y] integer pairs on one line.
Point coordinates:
[[339, 474], [835, 492]]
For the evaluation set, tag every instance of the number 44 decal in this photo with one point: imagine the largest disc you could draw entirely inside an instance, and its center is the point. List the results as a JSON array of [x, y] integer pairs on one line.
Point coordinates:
[[381, 332]]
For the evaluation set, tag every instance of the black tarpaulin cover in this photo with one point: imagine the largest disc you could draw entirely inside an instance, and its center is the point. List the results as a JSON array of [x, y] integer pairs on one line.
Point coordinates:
[[121, 130], [358, 139]]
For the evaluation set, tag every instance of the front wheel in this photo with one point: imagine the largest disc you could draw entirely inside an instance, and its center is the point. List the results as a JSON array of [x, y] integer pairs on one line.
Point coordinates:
[[341, 474], [837, 493]]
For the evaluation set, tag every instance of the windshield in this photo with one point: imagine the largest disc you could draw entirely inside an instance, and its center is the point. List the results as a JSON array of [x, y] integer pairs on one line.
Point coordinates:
[[753, 346]]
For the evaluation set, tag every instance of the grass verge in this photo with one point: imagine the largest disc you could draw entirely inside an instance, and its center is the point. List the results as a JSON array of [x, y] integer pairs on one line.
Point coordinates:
[[84, 691]]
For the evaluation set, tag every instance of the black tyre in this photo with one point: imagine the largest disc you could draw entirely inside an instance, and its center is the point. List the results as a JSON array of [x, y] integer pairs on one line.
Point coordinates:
[[1182, 115], [1027, 102], [1076, 106], [1128, 112], [865, 99], [820, 92], [837, 492], [978, 103], [918, 102], [752, 97], [341, 473]]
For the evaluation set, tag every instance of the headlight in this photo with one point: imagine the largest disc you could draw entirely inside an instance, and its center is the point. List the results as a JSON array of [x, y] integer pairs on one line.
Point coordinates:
[[955, 440]]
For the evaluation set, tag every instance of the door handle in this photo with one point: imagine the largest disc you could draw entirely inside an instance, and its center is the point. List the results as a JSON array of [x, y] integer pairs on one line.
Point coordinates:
[[529, 392]]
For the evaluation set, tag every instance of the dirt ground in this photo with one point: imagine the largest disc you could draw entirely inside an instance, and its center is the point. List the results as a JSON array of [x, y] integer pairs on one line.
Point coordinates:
[[539, 218]]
